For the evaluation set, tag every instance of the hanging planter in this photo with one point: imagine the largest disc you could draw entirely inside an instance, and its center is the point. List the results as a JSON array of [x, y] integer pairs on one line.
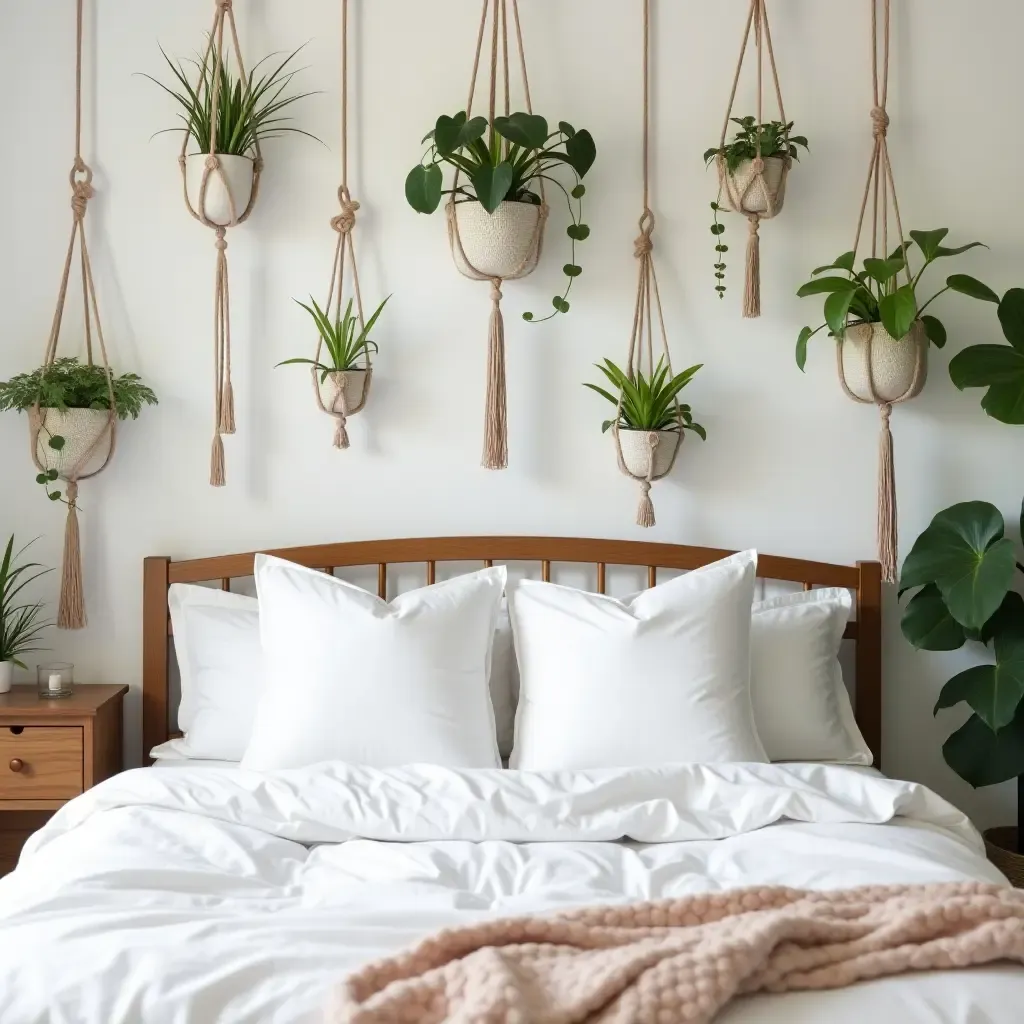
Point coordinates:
[[754, 166], [880, 325], [496, 210], [227, 114]]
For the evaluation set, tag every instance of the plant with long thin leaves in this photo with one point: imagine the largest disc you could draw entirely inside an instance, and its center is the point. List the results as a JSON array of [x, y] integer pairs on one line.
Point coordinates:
[[21, 624], [518, 153], [248, 109], [649, 402], [343, 345]]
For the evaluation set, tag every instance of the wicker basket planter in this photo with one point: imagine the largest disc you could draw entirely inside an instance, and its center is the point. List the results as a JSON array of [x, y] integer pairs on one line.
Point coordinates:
[[877, 367], [228, 190], [505, 244], [636, 451], [1002, 846], [744, 191], [88, 436]]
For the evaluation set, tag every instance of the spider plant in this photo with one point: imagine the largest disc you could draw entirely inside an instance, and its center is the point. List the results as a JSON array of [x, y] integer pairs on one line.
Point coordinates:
[[649, 403], [344, 346], [20, 625], [248, 109]]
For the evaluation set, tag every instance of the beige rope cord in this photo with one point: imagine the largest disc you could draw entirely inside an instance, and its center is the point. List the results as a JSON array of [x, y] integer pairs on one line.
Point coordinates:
[[215, 188], [647, 448], [521, 253], [880, 190], [758, 190], [351, 387], [89, 435]]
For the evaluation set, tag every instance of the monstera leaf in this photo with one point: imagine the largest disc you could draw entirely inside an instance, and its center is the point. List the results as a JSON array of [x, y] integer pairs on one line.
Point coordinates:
[[994, 692], [1000, 368], [983, 757], [927, 624]]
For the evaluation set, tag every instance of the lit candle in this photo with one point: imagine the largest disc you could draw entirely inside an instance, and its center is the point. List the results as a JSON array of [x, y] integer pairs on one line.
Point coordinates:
[[54, 682]]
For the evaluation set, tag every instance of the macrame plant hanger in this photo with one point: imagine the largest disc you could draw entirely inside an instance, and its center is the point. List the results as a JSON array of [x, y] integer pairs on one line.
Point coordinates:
[[880, 190], [756, 196], [89, 439], [648, 303], [350, 388], [223, 393], [495, 449]]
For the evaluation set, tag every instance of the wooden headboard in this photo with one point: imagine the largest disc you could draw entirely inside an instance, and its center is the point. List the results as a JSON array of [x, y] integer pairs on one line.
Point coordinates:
[[864, 579]]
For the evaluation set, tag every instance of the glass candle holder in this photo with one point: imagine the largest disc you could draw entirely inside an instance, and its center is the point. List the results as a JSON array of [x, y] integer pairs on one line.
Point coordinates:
[[56, 679]]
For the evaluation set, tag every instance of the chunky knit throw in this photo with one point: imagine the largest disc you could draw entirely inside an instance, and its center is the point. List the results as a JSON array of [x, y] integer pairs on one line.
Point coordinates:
[[682, 960]]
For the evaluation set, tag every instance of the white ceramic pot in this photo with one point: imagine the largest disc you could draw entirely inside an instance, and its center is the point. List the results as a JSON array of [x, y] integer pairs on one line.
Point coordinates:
[[236, 173], [88, 435], [6, 676], [636, 450], [743, 191], [898, 369], [503, 244], [354, 384]]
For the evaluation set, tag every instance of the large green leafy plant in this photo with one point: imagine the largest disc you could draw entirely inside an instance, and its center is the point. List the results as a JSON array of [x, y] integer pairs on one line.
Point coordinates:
[[345, 346], [21, 623], [648, 402], [506, 160], [874, 293]]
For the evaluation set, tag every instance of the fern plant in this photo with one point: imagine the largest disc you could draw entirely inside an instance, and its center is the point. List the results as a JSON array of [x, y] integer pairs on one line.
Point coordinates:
[[648, 403], [21, 625], [343, 345]]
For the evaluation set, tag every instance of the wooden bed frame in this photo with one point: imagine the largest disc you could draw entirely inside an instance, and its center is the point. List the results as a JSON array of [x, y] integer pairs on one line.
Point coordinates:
[[864, 580]]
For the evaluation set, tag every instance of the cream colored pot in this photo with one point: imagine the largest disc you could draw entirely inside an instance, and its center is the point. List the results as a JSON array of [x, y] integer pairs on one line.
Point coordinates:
[[877, 367], [354, 384], [636, 451], [88, 436], [742, 191], [503, 244], [236, 174]]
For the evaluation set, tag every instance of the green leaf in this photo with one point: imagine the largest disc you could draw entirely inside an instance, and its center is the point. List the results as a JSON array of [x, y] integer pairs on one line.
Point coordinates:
[[446, 132], [56, 442], [934, 329], [579, 191], [993, 691], [54, 496], [963, 551], [491, 184], [42, 478], [423, 188], [844, 262], [581, 151], [1007, 621], [571, 270], [927, 624], [801, 347], [882, 270], [578, 232], [837, 307], [821, 285], [983, 757], [527, 316], [560, 304], [943, 251], [1011, 317], [999, 368], [721, 248], [527, 130], [566, 129], [898, 311], [929, 241], [971, 287]]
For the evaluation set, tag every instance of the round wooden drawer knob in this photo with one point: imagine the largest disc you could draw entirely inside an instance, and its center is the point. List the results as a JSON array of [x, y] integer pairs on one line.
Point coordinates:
[[17, 764]]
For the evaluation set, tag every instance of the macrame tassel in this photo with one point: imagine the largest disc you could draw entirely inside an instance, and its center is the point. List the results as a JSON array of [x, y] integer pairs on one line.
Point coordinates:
[[217, 478], [645, 510], [227, 409], [71, 609], [340, 433], [496, 422], [887, 523], [752, 290]]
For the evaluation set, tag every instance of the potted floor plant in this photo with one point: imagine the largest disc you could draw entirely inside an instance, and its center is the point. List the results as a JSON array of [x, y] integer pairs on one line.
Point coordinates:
[[21, 624], [741, 187], [74, 436], [880, 321], [650, 405], [496, 200], [249, 110]]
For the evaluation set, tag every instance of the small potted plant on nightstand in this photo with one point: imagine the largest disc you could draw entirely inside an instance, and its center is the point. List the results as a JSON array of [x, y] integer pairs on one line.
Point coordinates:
[[21, 624]]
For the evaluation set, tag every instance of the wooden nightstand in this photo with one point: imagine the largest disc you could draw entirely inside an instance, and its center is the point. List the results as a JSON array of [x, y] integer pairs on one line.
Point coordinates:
[[50, 751]]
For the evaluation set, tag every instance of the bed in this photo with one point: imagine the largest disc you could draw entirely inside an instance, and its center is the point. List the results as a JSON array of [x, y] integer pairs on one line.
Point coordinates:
[[201, 892]]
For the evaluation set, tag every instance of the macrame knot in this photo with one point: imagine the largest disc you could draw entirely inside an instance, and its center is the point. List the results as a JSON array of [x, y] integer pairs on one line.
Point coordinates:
[[345, 221], [212, 162], [754, 223], [81, 193], [72, 493], [885, 408], [757, 165], [880, 122], [643, 245], [224, 5], [653, 440], [496, 290], [221, 243]]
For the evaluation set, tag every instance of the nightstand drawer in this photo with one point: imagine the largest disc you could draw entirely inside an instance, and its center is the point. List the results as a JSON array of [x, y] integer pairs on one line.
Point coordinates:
[[40, 762]]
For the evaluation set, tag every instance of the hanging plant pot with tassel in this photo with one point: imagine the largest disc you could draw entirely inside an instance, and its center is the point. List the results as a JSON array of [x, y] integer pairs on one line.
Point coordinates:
[[649, 424]]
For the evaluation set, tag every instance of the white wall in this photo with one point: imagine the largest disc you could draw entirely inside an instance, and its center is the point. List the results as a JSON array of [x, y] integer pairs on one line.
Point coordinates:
[[790, 463]]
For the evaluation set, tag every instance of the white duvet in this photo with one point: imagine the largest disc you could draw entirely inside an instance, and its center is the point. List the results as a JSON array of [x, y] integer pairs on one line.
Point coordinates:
[[197, 896]]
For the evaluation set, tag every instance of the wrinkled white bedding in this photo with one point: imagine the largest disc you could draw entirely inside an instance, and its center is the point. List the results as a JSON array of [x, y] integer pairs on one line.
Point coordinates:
[[197, 896]]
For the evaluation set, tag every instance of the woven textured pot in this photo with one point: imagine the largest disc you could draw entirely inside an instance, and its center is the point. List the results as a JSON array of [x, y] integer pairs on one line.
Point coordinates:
[[503, 244], [636, 451], [354, 384], [81, 429], [1001, 846], [237, 171], [743, 192], [898, 369]]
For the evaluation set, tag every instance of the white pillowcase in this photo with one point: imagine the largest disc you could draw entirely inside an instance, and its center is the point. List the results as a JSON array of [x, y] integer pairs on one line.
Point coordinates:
[[801, 705], [353, 678], [663, 677], [220, 661]]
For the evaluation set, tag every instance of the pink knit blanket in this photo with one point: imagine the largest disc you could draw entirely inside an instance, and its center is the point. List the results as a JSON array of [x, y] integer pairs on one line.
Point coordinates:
[[682, 960]]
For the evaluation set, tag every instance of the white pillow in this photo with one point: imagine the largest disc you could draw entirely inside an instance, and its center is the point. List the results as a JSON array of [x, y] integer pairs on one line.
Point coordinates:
[[352, 678], [662, 677], [801, 705], [220, 661]]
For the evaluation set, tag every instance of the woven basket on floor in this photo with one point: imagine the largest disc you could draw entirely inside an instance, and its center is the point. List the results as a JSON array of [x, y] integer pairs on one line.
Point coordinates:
[[1001, 844]]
